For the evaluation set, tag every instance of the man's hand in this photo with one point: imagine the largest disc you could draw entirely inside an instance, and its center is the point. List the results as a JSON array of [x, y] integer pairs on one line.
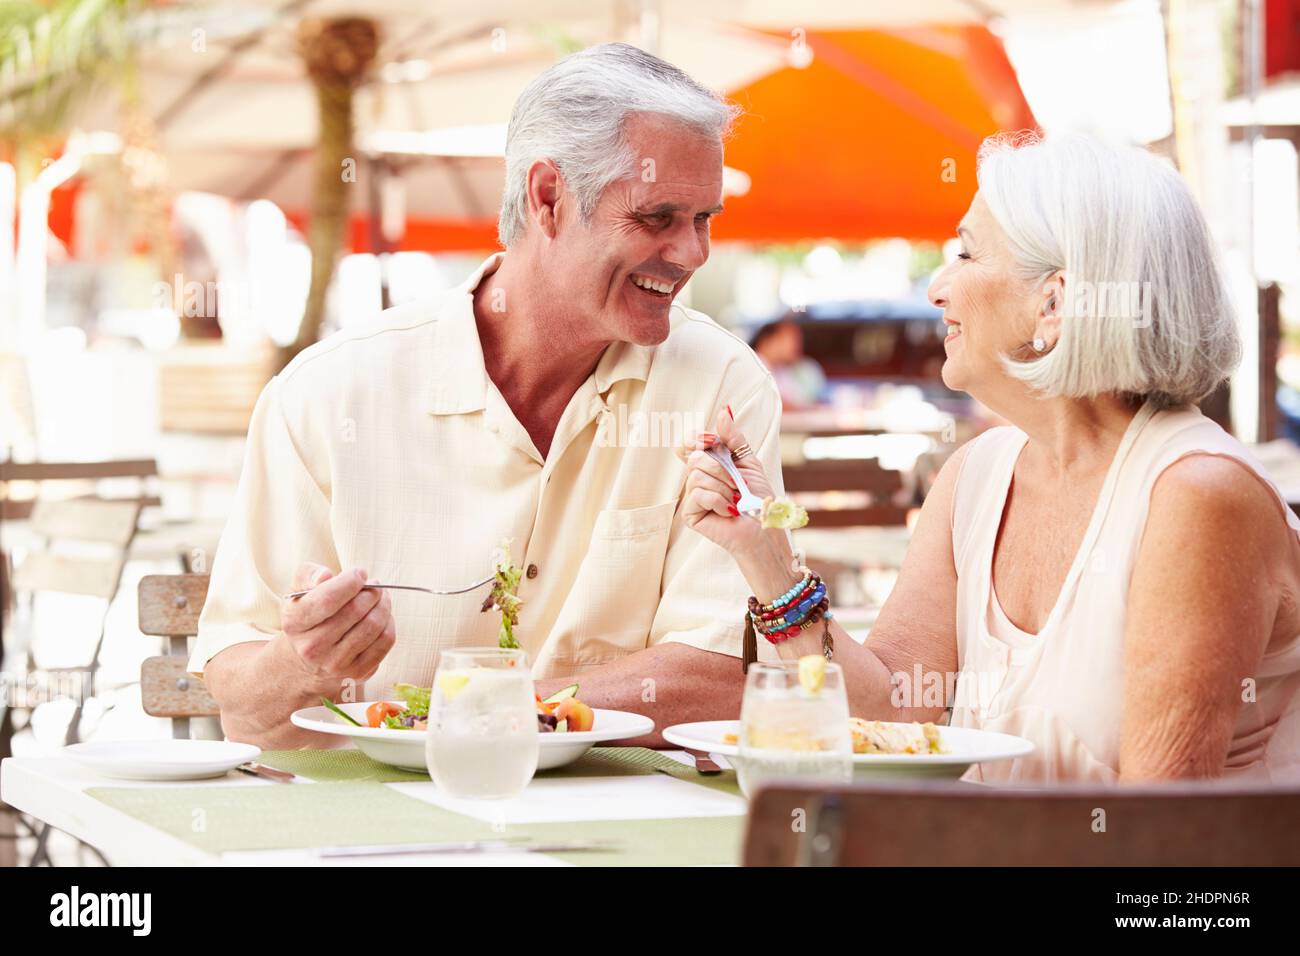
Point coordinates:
[[341, 630], [338, 633]]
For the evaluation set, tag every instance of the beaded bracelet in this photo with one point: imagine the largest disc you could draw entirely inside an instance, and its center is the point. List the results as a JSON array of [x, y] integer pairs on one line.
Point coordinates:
[[777, 635], [790, 598], [807, 576], [822, 613], [801, 621], [791, 609]]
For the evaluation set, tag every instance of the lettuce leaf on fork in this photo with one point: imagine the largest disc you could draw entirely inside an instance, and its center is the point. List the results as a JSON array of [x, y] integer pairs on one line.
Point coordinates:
[[503, 599], [783, 513]]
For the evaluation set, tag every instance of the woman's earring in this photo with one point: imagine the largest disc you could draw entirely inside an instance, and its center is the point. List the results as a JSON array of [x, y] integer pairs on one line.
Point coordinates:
[[1039, 343]]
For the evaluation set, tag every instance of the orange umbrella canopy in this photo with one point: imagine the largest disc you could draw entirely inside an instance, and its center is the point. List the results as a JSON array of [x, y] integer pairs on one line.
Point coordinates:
[[875, 138]]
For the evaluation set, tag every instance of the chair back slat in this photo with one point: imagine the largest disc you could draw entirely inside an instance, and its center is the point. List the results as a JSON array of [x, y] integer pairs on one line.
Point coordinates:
[[170, 604], [842, 475], [77, 470], [87, 519], [1185, 824], [69, 574], [167, 690]]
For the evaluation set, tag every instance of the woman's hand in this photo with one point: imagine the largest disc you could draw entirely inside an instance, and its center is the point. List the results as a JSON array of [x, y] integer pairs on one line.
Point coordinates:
[[710, 495]]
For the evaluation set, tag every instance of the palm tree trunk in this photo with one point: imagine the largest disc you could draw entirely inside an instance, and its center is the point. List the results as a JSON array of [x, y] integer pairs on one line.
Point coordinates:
[[329, 210], [337, 54]]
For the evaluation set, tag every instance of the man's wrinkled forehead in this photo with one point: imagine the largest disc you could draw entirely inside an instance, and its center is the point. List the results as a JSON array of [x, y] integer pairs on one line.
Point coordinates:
[[668, 153]]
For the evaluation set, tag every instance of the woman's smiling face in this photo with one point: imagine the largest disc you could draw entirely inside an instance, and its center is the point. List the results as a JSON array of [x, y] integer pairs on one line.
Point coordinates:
[[989, 309]]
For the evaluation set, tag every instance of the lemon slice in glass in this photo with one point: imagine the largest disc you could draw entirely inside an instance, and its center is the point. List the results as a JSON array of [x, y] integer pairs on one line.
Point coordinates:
[[812, 672], [452, 683]]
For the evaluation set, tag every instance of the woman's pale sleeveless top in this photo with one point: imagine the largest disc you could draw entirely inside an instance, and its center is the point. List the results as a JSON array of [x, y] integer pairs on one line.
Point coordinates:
[[1063, 687]]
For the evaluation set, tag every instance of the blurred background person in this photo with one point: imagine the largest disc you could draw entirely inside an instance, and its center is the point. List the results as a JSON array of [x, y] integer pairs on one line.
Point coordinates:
[[800, 378]]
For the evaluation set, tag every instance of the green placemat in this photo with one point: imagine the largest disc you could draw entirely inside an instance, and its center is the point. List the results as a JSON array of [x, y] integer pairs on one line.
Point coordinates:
[[353, 765], [336, 766], [221, 819], [644, 760]]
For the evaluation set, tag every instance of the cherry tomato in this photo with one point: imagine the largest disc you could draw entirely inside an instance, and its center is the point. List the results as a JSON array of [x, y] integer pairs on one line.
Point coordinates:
[[377, 711]]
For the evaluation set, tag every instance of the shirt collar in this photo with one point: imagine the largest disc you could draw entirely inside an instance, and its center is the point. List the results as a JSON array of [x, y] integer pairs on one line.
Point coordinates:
[[460, 376]]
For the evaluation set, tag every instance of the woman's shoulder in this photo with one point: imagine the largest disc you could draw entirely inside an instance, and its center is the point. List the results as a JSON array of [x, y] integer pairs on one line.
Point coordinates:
[[1205, 478], [977, 459]]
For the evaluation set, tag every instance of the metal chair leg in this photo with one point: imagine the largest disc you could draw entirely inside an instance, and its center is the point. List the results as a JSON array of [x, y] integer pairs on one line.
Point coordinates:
[[42, 852]]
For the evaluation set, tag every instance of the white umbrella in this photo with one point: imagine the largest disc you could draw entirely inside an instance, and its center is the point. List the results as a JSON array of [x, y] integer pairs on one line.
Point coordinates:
[[237, 115]]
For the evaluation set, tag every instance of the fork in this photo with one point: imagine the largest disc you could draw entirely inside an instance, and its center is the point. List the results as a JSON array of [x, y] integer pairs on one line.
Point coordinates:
[[749, 504], [404, 587]]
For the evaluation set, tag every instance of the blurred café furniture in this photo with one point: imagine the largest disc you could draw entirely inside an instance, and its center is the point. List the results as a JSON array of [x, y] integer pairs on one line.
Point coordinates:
[[170, 605], [20, 482], [85, 541], [206, 396], [958, 824], [211, 388], [868, 493]]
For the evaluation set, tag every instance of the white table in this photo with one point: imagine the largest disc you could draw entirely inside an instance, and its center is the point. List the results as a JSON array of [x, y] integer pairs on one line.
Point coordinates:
[[52, 789]]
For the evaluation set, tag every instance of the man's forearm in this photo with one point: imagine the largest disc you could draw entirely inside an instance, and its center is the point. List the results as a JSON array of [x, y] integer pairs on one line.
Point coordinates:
[[257, 686], [670, 683]]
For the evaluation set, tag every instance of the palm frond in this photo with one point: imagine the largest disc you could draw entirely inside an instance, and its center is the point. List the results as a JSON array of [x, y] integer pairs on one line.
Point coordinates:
[[55, 54]]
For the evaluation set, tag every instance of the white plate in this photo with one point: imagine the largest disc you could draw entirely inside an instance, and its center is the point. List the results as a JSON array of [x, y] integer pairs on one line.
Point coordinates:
[[965, 746], [405, 748], [161, 759]]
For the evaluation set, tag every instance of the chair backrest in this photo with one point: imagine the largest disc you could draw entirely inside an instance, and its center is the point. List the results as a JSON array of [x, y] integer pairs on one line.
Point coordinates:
[[170, 605], [953, 824], [110, 524], [18, 509], [869, 491]]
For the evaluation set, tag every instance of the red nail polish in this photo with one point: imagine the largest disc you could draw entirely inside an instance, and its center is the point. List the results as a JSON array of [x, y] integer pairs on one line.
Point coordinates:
[[735, 498], [731, 413], [734, 512]]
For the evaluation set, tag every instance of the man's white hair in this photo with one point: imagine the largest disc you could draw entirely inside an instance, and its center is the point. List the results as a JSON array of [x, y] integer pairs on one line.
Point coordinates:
[[1147, 312], [573, 114]]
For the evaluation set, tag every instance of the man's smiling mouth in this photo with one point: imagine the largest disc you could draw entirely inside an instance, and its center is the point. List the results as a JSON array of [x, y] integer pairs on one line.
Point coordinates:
[[651, 285]]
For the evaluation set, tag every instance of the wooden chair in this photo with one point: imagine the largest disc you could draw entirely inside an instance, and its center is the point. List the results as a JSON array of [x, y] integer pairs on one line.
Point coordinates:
[[17, 509], [85, 545], [882, 487], [170, 605], [953, 824]]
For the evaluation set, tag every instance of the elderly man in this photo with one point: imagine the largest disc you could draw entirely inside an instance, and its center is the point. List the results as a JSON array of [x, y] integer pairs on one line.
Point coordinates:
[[538, 402]]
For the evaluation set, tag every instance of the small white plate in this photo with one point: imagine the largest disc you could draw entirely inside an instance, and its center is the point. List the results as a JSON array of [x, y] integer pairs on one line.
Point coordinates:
[[405, 748], [964, 745], [161, 759]]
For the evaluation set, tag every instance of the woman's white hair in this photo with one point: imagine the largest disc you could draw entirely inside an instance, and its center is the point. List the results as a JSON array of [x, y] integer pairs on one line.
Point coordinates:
[[573, 114], [1147, 312]]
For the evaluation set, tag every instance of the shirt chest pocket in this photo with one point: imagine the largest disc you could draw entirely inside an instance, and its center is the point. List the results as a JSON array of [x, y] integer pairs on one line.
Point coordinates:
[[617, 592]]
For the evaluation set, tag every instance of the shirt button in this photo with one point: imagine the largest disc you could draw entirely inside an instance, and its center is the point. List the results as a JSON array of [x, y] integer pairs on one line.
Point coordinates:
[[532, 570]]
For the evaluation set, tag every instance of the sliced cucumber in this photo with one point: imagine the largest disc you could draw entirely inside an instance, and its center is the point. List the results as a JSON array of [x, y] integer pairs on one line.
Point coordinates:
[[340, 711], [562, 726], [559, 695]]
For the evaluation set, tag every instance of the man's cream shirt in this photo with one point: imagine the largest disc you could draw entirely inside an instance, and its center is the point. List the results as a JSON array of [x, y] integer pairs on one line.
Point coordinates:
[[389, 448]]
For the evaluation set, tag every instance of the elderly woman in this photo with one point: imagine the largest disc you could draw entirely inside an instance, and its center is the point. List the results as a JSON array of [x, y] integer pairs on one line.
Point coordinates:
[[1112, 576]]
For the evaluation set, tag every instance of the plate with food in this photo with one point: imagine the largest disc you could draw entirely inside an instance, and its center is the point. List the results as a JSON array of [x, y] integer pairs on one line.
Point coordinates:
[[880, 747], [393, 731]]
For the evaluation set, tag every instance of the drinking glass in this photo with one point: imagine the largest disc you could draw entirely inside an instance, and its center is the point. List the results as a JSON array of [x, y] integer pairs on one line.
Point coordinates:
[[482, 736], [789, 731]]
